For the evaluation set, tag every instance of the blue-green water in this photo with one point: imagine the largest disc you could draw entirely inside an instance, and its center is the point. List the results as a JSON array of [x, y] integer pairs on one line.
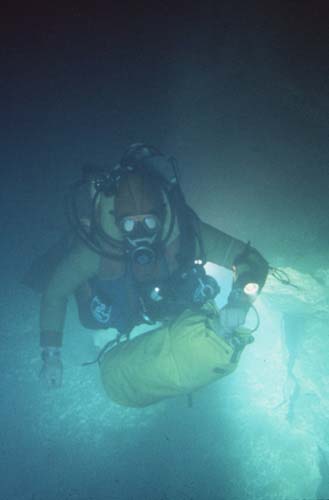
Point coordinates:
[[240, 96]]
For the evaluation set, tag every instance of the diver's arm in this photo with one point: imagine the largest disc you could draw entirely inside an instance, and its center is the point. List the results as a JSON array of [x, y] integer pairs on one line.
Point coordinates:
[[76, 268], [250, 271], [248, 265]]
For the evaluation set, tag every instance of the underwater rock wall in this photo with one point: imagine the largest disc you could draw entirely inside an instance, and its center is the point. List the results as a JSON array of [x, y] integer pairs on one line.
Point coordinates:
[[304, 308]]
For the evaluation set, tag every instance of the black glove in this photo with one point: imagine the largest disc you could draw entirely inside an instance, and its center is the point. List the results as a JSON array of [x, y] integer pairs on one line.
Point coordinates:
[[52, 369]]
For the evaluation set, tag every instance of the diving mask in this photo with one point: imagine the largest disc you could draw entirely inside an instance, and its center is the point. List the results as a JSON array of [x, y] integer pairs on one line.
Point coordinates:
[[141, 232], [139, 226]]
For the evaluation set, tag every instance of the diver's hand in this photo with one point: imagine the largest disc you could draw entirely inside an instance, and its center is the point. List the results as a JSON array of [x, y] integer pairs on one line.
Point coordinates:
[[235, 312], [52, 369], [231, 318]]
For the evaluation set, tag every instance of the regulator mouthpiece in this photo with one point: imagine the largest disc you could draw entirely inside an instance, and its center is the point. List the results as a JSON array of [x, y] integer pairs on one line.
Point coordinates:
[[143, 255]]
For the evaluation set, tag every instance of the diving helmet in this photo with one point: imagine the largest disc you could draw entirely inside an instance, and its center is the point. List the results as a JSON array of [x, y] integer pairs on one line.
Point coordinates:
[[134, 205]]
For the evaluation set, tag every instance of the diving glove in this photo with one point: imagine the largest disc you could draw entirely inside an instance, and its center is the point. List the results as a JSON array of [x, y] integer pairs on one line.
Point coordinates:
[[52, 369]]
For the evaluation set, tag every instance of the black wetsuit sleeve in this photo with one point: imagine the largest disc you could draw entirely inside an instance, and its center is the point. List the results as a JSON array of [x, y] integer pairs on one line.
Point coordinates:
[[74, 269], [222, 249]]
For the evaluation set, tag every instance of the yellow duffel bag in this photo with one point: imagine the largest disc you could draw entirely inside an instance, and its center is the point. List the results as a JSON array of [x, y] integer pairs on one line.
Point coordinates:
[[172, 360]]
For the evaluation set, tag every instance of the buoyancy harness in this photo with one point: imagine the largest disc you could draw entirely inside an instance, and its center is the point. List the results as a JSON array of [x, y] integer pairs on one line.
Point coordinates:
[[125, 302]]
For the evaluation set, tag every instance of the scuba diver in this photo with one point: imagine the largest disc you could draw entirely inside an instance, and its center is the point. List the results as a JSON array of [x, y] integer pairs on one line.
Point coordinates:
[[138, 258]]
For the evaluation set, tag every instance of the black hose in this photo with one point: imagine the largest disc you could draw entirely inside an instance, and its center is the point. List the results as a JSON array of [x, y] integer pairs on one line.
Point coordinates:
[[282, 277]]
